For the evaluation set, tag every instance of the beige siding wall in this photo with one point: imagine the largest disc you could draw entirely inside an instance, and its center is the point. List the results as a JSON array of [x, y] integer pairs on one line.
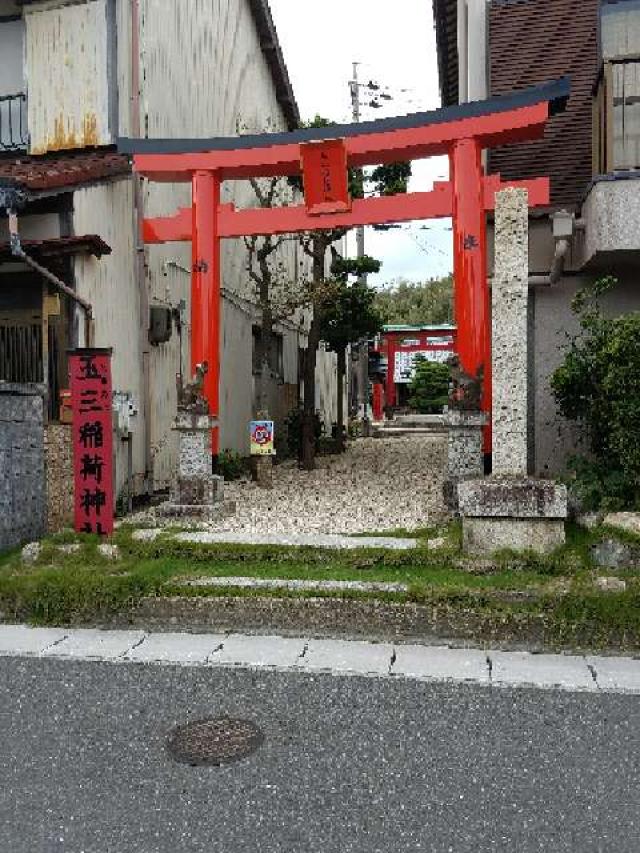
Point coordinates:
[[110, 285], [203, 74], [66, 70]]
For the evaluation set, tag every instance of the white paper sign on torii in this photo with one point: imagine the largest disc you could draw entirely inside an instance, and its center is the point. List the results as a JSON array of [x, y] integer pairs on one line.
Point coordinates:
[[404, 364]]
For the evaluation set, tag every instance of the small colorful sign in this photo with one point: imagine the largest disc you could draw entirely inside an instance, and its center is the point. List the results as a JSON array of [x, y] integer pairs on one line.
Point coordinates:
[[90, 385], [262, 433]]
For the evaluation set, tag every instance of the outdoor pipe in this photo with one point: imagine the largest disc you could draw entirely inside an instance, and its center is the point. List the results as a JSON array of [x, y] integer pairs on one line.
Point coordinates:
[[18, 252], [557, 267]]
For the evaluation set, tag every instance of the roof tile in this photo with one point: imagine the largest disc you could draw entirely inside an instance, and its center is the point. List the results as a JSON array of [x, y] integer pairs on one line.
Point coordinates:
[[67, 169]]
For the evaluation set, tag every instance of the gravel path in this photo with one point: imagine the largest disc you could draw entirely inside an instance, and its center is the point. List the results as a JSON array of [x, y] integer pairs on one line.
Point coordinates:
[[378, 484]]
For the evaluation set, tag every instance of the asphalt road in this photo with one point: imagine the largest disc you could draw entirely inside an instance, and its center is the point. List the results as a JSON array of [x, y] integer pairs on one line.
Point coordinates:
[[348, 764]]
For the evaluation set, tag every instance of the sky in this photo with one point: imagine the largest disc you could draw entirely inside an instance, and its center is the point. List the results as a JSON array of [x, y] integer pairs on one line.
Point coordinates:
[[394, 42]]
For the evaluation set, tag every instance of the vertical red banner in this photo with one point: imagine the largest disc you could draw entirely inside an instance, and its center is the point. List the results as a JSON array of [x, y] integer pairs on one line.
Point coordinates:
[[90, 381], [326, 180]]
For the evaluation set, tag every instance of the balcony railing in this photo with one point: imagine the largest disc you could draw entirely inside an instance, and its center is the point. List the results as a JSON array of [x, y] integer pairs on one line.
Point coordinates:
[[616, 116], [14, 135]]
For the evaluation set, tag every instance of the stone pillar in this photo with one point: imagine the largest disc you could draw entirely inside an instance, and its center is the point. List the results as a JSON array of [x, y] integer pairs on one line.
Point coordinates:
[[465, 459], [510, 509], [262, 471], [195, 490], [509, 311]]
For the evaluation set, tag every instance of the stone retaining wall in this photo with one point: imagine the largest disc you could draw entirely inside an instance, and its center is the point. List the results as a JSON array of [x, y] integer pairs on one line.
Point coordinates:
[[59, 467], [22, 473]]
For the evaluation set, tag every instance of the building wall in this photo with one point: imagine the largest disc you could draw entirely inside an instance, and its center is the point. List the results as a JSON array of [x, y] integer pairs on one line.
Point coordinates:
[[555, 438], [109, 284], [44, 226], [552, 323], [204, 74], [532, 42], [11, 50], [67, 50]]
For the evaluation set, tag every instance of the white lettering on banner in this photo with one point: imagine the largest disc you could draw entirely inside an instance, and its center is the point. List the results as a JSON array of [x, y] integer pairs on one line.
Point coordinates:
[[404, 363]]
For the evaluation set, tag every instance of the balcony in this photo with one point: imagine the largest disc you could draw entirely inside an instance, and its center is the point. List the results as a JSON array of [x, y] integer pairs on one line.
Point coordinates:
[[616, 116], [611, 208], [13, 123]]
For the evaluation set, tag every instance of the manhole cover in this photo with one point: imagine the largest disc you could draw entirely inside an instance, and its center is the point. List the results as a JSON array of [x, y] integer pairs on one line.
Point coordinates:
[[214, 742]]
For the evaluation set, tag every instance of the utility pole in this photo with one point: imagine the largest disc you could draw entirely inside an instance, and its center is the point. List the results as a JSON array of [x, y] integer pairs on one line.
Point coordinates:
[[362, 374], [354, 86]]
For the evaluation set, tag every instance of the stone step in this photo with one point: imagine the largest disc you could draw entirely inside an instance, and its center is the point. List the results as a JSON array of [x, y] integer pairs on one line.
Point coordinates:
[[244, 582], [309, 540], [381, 432]]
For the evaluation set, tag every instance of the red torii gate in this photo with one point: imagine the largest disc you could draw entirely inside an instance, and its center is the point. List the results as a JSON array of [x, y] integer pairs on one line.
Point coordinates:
[[322, 156]]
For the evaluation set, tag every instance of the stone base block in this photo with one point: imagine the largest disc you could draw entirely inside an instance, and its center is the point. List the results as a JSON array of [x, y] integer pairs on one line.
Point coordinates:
[[513, 497], [520, 513], [197, 491], [486, 535], [262, 471], [196, 512], [464, 451]]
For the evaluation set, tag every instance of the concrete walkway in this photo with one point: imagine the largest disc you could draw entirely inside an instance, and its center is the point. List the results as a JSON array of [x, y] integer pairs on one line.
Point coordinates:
[[431, 663]]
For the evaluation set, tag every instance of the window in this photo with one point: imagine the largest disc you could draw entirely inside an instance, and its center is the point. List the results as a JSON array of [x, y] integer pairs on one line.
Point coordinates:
[[620, 28], [620, 47], [276, 356]]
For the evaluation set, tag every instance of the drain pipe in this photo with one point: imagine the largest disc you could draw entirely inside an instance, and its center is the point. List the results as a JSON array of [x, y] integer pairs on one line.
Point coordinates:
[[135, 130], [18, 252], [563, 227], [557, 267]]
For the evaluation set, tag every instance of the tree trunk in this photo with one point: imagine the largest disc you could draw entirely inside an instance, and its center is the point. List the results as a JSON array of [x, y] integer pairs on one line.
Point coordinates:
[[342, 369], [308, 443], [308, 449]]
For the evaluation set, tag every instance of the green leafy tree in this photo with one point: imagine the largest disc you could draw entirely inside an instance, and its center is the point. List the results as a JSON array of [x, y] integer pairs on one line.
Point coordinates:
[[417, 303], [348, 316], [429, 388], [598, 384]]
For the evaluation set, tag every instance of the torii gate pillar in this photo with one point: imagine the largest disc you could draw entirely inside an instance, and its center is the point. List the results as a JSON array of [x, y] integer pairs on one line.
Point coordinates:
[[471, 291], [205, 290]]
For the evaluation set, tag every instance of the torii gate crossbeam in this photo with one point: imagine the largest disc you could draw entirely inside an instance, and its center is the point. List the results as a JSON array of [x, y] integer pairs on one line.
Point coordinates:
[[322, 156]]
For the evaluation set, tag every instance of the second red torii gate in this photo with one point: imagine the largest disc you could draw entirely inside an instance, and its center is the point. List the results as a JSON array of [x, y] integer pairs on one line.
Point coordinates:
[[322, 156]]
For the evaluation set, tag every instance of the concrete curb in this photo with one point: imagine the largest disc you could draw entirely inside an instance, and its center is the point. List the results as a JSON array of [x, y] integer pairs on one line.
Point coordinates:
[[573, 673]]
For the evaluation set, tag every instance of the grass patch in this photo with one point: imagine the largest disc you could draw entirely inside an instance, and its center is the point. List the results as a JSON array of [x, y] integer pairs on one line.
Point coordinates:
[[556, 591]]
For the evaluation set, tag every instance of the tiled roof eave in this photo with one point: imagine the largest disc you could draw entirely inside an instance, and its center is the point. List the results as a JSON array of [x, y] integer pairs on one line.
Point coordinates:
[[64, 169]]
